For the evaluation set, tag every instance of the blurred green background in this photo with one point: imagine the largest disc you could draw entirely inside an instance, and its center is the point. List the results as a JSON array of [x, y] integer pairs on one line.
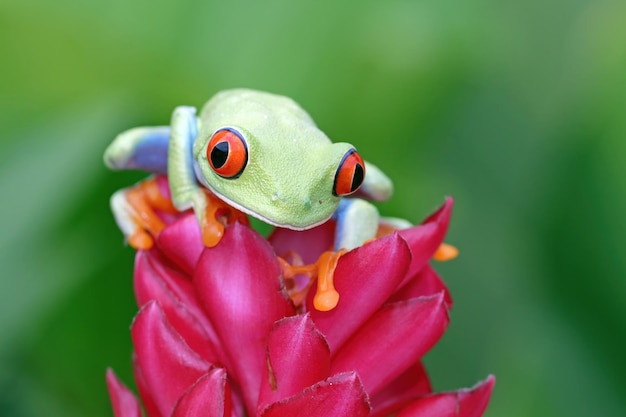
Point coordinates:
[[514, 108]]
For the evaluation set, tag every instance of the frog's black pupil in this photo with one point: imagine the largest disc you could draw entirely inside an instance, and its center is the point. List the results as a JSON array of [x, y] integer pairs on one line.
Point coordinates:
[[219, 154], [357, 178]]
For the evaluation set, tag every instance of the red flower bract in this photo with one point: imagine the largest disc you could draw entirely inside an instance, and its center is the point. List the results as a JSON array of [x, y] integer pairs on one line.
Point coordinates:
[[217, 335]]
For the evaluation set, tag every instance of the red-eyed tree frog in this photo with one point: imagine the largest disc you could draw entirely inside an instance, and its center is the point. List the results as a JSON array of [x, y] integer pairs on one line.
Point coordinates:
[[256, 153]]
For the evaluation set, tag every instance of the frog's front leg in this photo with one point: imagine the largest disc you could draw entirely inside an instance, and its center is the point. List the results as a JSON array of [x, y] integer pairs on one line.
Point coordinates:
[[357, 222], [212, 213], [186, 192]]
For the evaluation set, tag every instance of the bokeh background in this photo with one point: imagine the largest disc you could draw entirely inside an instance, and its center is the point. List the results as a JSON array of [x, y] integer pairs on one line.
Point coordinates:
[[517, 109]]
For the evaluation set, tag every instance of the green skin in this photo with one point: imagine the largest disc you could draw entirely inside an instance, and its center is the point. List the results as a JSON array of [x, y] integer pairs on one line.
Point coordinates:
[[289, 176]]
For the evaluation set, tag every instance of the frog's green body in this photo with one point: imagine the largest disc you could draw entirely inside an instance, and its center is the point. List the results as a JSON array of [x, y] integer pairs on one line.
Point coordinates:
[[290, 175], [292, 165]]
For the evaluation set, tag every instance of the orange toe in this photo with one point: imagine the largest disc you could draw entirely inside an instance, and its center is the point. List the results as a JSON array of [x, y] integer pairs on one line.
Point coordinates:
[[445, 252], [141, 240], [327, 296], [217, 216]]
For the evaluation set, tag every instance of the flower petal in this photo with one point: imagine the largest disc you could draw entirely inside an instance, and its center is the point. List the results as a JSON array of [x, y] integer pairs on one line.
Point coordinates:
[[151, 283], [297, 357], [341, 395], [426, 282], [396, 337], [146, 397], [178, 284], [208, 397], [242, 295], [309, 244], [463, 403], [411, 384], [181, 242], [168, 365], [124, 402], [365, 277], [424, 239]]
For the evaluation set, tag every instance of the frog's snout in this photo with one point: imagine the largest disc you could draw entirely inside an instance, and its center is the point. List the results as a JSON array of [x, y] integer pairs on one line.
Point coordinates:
[[279, 199]]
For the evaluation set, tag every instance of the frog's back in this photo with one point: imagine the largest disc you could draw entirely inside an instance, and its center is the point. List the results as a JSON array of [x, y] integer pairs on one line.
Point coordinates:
[[255, 108]]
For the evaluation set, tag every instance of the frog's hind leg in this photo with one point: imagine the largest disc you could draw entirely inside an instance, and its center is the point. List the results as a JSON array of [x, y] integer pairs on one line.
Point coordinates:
[[135, 211], [143, 148], [357, 222]]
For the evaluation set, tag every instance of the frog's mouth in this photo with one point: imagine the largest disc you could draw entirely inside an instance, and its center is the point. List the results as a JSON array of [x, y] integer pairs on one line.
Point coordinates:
[[266, 219]]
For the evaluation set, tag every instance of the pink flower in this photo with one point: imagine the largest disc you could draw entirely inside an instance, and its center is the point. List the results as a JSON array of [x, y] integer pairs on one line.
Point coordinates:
[[217, 335]]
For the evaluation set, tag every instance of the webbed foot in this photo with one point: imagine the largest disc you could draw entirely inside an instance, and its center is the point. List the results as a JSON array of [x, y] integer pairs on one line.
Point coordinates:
[[135, 211], [216, 216], [326, 298]]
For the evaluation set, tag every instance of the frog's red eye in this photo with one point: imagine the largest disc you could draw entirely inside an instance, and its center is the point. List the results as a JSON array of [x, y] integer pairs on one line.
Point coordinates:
[[350, 174], [227, 153]]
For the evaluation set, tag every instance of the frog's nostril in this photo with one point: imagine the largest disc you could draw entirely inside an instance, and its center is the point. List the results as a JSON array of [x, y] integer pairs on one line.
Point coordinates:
[[277, 197]]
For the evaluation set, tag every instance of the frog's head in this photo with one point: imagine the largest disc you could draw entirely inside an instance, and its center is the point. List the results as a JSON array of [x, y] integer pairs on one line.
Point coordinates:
[[263, 154]]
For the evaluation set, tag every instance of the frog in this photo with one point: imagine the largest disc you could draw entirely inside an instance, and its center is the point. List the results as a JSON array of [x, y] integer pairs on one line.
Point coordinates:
[[251, 153]]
